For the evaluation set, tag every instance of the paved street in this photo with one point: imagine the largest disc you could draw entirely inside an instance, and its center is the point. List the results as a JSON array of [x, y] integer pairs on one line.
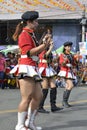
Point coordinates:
[[74, 118]]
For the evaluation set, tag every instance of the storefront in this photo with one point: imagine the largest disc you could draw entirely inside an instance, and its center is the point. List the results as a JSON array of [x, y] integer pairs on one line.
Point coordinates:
[[62, 30]]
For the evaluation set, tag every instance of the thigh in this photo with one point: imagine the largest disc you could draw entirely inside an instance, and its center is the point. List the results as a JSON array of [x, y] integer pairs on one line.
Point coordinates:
[[69, 84], [52, 82], [45, 83], [26, 87]]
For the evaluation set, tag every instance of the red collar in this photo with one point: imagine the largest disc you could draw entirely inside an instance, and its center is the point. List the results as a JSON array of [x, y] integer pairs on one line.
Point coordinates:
[[28, 30]]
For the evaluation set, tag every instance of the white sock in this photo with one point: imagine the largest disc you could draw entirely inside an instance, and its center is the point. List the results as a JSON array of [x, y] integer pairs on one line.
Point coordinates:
[[28, 117], [21, 118]]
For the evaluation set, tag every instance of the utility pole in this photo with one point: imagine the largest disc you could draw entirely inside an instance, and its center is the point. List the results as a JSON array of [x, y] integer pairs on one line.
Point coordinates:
[[83, 23]]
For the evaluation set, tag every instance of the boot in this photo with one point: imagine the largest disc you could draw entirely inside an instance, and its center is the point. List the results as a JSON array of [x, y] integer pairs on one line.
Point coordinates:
[[41, 109], [53, 93], [21, 121], [29, 123], [65, 98]]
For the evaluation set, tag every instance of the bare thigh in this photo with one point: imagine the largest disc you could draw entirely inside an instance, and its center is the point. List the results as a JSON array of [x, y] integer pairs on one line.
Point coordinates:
[[45, 83], [26, 87], [52, 82], [69, 84]]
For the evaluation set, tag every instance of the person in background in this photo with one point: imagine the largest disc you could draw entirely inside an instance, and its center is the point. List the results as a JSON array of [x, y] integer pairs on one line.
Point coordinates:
[[8, 54], [13, 59], [27, 70], [67, 61], [48, 74], [2, 70]]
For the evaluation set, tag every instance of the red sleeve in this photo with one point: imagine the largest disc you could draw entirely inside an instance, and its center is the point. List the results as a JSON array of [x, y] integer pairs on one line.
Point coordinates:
[[25, 42]]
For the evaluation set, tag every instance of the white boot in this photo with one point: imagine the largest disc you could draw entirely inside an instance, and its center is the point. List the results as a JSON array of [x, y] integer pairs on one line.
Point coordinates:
[[30, 121], [21, 121]]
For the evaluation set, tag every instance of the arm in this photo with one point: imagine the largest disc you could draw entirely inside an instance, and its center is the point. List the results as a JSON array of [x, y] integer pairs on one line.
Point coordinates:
[[49, 51], [40, 48], [37, 50]]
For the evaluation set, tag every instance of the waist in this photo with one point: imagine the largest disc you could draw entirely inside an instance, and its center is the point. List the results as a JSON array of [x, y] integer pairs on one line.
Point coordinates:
[[69, 65], [43, 61], [24, 56], [34, 58]]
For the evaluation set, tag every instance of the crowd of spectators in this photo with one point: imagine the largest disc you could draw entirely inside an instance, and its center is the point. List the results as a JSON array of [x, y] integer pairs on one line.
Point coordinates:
[[7, 62]]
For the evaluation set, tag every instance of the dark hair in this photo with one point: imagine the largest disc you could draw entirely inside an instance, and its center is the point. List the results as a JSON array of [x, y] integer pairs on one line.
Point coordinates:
[[18, 30], [64, 49]]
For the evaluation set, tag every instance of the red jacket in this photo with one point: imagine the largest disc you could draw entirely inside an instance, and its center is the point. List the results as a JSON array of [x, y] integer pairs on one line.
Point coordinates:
[[42, 60], [64, 63], [26, 43]]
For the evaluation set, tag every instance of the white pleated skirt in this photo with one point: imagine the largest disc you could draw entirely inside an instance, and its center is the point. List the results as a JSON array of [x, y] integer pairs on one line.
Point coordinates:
[[47, 72], [26, 70], [66, 74]]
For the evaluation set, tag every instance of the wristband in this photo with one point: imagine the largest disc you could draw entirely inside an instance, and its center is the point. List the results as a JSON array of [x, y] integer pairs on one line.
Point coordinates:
[[28, 53]]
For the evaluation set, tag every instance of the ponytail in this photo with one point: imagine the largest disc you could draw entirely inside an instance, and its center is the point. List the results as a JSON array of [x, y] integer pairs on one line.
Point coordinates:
[[18, 30]]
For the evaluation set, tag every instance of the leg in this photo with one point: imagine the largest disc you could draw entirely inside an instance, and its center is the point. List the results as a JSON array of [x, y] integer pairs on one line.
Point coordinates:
[[26, 89], [45, 93], [53, 95], [66, 94], [32, 110]]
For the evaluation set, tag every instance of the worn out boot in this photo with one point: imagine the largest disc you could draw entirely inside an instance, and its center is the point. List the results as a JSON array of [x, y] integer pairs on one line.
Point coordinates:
[[66, 95], [41, 108], [53, 93], [30, 120]]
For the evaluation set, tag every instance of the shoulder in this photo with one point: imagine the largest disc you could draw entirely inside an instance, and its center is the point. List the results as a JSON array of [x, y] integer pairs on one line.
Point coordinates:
[[62, 54], [24, 33]]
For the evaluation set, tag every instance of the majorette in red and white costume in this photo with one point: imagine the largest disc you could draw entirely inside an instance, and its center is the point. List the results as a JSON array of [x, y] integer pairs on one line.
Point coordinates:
[[66, 66], [27, 66], [44, 65]]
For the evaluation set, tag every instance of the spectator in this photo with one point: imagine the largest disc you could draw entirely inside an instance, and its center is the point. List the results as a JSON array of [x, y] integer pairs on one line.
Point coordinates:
[[2, 70]]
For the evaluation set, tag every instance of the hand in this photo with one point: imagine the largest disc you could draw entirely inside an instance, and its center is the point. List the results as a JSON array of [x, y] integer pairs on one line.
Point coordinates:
[[47, 39]]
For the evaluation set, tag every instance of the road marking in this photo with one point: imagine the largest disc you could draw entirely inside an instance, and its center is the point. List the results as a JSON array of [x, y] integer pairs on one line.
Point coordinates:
[[8, 111], [46, 106], [84, 88]]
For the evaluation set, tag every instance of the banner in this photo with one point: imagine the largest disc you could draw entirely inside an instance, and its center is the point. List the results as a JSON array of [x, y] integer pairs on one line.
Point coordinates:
[[83, 48]]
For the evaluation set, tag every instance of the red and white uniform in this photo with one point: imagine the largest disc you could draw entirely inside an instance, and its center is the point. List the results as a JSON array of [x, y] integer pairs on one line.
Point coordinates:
[[26, 65], [45, 68], [66, 67]]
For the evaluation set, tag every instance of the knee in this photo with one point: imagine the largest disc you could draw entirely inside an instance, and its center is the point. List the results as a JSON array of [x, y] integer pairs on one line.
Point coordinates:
[[27, 99], [39, 96]]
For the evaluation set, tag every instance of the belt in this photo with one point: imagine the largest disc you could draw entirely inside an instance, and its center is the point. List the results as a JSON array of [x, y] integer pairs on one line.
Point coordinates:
[[34, 58], [42, 61], [24, 56], [69, 65]]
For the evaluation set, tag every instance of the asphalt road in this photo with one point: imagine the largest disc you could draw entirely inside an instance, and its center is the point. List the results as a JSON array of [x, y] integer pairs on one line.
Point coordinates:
[[74, 118]]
